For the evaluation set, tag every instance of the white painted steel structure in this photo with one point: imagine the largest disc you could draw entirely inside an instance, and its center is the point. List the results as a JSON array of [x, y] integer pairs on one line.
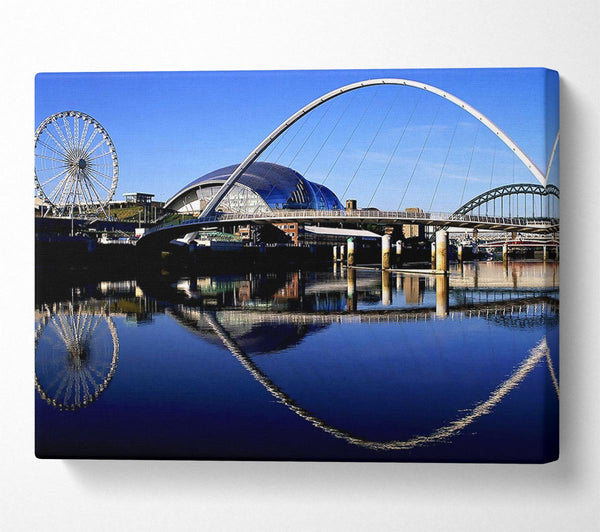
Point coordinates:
[[363, 216], [76, 166], [540, 176]]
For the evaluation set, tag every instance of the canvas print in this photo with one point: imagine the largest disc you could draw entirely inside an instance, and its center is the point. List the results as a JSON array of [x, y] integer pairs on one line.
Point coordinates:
[[347, 265]]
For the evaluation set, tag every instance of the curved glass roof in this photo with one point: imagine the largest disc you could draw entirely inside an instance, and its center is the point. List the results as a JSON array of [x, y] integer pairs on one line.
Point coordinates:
[[279, 186]]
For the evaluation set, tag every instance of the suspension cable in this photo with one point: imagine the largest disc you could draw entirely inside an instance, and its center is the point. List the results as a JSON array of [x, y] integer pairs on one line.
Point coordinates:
[[444, 164], [304, 122], [420, 154], [310, 134], [462, 197], [371, 144], [349, 138], [493, 164], [395, 149], [331, 132]]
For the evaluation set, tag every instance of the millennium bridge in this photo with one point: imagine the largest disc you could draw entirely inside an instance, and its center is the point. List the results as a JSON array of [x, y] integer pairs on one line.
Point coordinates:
[[513, 207]]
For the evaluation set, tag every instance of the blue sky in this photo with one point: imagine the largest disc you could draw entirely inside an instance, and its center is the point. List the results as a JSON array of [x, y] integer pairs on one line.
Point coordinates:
[[171, 127]]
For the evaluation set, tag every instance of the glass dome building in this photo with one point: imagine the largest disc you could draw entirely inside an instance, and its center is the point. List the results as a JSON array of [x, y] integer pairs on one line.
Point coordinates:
[[261, 189]]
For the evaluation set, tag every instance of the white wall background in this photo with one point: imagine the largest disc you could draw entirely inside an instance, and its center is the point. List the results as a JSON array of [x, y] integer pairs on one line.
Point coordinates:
[[186, 35]]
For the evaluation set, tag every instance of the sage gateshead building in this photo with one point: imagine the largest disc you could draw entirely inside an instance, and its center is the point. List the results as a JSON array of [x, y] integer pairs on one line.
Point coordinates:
[[262, 188]]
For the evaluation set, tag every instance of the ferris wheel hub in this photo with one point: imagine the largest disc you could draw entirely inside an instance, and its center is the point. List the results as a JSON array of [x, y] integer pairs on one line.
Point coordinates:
[[76, 167]]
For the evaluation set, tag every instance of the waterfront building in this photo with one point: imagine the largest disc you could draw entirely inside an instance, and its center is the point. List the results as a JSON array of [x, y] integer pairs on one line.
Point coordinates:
[[414, 230], [262, 188]]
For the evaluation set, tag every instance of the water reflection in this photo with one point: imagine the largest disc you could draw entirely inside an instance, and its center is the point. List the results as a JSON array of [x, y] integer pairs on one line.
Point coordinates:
[[291, 316], [442, 434], [353, 290], [77, 352]]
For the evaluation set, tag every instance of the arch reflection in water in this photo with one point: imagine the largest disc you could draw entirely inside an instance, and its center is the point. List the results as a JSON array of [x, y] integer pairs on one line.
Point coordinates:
[[221, 328], [76, 354]]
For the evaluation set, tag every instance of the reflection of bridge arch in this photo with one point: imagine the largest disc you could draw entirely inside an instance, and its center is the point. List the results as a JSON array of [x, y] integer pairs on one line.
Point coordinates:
[[72, 369], [441, 434], [522, 189], [245, 164]]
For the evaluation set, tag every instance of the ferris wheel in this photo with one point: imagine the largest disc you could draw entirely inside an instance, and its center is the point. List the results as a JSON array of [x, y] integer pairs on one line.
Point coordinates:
[[76, 167]]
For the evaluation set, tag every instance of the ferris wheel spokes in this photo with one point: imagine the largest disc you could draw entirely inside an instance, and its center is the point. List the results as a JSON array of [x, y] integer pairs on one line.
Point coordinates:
[[68, 164]]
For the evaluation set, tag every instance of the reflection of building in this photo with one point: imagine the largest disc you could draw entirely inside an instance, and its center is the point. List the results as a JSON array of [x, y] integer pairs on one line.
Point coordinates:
[[260, 189], [291, 290], [250, 333], [413, 287]]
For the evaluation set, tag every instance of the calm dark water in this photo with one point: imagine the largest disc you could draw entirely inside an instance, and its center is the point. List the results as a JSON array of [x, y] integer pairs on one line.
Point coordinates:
[[303, 365]]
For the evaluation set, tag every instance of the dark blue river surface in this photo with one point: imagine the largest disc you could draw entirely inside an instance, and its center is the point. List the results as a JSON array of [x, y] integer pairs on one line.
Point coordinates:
[[330, 365]]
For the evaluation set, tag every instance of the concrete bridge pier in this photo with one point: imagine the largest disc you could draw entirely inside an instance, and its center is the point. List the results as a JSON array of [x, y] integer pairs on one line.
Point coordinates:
[[350, 251], [351, 295], [386, 288], [545, 254], [335, 254], [505, 252], [460, 253], [398, 252], [386, 251], [433, 255], [441, 250], [342, 253]]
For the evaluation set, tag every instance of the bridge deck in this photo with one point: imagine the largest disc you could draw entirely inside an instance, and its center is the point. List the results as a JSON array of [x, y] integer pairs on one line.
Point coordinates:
[[358, 217]]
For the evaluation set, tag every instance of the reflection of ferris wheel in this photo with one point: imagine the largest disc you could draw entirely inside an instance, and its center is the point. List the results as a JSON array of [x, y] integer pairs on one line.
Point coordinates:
[[76, 167], [76, 356]]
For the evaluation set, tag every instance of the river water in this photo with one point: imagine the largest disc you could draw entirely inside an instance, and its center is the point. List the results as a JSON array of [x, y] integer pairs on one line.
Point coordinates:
[[303, 365]]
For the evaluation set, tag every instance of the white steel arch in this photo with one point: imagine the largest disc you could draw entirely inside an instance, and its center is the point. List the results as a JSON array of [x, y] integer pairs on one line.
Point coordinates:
[[245, 164]]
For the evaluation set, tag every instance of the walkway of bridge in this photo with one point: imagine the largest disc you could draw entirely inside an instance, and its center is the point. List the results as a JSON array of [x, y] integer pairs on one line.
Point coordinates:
[[371, 216]]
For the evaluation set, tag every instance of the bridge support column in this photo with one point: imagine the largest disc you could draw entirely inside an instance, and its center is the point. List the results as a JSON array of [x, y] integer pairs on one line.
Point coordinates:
[[342, 253], [442, 284], [335, 253], [460, 253], [351, 296], [505, 252], [441, 250], [350, 251], [386, 251], [386, 288], [398, 252], [545, 254], [433, 255]]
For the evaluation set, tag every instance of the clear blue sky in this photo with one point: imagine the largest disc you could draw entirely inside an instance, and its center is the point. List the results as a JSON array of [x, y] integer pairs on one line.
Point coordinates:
[[171, 127]]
